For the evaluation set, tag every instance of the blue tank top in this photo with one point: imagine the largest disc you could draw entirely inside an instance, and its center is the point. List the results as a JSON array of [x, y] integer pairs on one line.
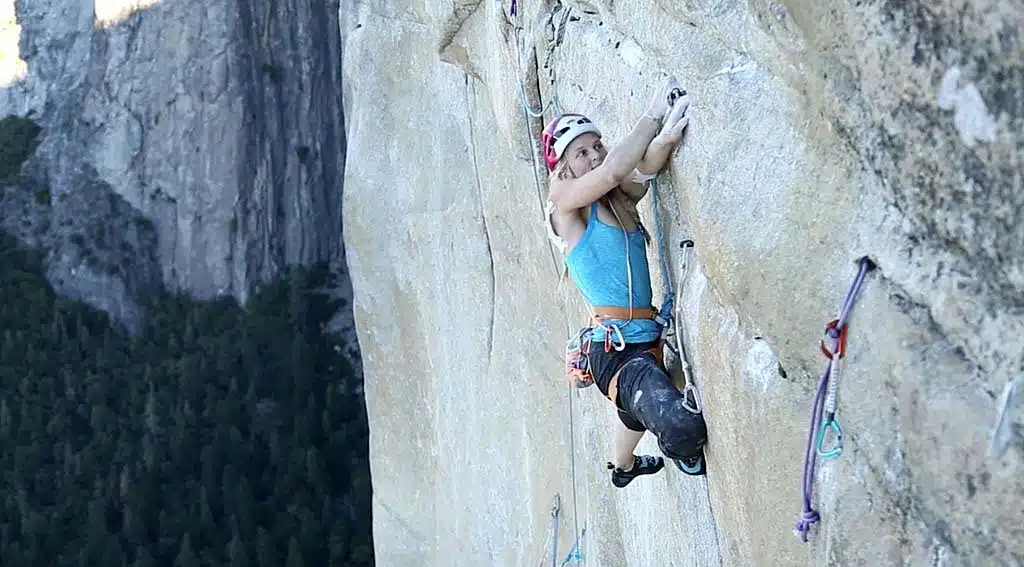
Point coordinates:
[[598, 266]]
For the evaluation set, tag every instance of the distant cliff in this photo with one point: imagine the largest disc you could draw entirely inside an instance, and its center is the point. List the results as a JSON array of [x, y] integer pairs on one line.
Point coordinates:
[[197, 145]]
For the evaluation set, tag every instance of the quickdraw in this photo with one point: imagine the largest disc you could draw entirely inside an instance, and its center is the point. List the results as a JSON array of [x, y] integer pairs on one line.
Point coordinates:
[[691, 395], [826, 403], [834, 353]]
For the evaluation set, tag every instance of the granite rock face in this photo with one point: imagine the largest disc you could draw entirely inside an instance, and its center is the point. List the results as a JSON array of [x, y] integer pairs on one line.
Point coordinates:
[[820, 132]]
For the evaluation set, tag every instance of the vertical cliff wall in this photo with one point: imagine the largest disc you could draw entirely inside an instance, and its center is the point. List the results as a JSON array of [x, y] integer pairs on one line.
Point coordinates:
[[198, 145], [820, 132]]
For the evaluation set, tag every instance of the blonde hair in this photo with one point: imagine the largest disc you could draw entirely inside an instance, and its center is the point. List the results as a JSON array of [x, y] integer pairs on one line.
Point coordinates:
[[561, 171]]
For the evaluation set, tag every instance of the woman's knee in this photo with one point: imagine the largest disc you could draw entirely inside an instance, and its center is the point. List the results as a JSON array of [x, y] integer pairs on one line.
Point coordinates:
[[683, 434], [662, 409]]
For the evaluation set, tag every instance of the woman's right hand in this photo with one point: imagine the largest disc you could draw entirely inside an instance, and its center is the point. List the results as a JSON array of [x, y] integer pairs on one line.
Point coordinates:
[[658, 106], [676, 121]]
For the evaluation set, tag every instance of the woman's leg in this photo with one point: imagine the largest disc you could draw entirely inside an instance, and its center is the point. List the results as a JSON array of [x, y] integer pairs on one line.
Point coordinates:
[[660, 406], [625, 441], [628, 466]]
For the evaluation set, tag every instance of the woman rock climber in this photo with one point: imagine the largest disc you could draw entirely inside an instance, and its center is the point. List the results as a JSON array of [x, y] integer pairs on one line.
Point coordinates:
[[592, 214]]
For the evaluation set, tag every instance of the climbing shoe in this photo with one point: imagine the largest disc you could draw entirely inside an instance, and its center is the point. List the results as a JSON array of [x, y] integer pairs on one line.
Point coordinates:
[[644, 464], [692, 465]]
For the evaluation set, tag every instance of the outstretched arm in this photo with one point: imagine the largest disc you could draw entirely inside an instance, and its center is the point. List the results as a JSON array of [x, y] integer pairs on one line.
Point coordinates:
[[578, 192]]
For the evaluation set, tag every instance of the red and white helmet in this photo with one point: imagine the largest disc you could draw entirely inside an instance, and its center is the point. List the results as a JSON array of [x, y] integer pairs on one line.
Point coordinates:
[[560, 133]]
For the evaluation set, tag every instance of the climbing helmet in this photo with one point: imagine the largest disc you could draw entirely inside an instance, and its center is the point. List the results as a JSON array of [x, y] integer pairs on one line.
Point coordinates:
[[560, 132]]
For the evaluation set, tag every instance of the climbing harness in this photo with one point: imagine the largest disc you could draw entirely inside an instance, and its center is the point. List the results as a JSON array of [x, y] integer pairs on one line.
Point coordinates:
[[836, 331], [577, 360]]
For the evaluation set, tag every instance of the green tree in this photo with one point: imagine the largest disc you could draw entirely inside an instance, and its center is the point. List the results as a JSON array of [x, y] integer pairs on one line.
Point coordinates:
[[144, 558], [217, 435], [238, 555], [18, 140], [294, 554], [186, 556]]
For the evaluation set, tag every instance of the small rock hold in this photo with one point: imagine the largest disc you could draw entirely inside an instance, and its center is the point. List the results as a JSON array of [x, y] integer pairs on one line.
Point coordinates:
[[970, 115], [972, 488], [779, 11], [941, 533], [1003, 427]]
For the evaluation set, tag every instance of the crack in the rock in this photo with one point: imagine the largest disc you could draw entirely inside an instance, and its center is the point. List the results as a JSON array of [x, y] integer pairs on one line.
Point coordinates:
[[530, 78], [471, 95], [923, 237], [903, 174]]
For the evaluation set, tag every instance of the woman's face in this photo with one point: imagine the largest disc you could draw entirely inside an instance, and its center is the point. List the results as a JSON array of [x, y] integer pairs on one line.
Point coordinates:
[[585, 153]]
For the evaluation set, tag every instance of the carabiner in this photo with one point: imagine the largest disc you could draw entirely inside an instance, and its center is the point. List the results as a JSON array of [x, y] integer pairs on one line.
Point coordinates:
[[675, 95], [837, 450], [695, 407], [839, 338], [622, 341]]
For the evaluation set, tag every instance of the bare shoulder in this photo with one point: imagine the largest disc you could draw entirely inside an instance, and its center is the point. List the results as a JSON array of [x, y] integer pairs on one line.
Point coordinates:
[[565, 225]]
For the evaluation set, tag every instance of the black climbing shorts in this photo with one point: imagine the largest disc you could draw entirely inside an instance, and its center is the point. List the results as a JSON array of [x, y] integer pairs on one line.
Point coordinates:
[[647, 400]]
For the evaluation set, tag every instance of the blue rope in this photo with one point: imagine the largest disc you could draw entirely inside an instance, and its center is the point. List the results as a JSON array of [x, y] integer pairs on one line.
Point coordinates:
[[575, 556]]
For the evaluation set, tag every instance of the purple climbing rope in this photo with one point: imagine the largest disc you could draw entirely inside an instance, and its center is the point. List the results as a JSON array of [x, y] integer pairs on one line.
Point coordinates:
[[837, 333]]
